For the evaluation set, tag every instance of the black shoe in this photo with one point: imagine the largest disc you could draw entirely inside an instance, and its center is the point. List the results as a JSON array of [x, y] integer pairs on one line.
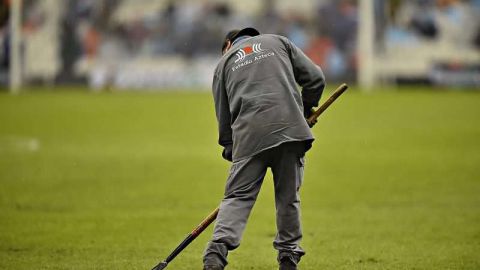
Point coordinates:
[[212, 267], [287, 264]]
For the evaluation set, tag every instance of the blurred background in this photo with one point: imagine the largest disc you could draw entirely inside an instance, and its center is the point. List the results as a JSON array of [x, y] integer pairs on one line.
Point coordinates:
[[158, 44], [108, 144]]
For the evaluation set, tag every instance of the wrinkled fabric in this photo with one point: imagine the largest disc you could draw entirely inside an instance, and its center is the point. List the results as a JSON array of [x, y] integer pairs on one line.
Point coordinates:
[[216, 255], [257, 101], [243, 185]]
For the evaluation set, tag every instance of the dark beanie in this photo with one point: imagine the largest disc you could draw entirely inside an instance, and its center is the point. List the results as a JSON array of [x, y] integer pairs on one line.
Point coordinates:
[[234, 34]]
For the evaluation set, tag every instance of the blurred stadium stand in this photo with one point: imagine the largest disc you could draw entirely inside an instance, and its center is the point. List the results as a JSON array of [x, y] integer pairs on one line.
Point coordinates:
[[158, 44], [433, 41]]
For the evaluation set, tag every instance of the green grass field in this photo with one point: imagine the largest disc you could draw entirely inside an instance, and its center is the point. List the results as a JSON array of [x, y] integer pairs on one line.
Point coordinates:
[[116, 181]]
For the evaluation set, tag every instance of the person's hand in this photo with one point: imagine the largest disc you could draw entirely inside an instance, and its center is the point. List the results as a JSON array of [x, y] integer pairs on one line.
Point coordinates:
[[307, 112], [227, 152], [307, 109], [311, 124]]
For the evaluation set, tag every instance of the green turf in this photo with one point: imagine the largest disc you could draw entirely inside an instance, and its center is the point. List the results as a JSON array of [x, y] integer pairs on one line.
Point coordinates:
[[116, 181]]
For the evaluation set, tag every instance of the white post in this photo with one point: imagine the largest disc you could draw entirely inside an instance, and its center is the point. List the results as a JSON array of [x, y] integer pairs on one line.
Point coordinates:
[[366, 45], [15, 43]]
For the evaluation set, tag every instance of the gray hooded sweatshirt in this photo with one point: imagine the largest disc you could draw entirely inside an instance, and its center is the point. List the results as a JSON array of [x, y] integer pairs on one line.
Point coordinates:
[[257, 101]]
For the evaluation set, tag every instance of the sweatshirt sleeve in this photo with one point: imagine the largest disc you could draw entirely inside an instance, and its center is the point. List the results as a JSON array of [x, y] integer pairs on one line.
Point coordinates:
[[307, 74], [222, 111]]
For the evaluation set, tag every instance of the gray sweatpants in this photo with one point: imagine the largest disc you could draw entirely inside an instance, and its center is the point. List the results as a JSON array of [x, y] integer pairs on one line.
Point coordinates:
[[243, 185]]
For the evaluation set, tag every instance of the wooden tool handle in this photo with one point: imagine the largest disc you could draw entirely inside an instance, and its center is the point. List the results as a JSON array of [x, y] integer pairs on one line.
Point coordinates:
[[207, 221], [342, 88]]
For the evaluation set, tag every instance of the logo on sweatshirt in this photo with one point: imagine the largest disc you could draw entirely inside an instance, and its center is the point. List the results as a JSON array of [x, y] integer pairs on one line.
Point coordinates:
[[255, 50], [243, 52]]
